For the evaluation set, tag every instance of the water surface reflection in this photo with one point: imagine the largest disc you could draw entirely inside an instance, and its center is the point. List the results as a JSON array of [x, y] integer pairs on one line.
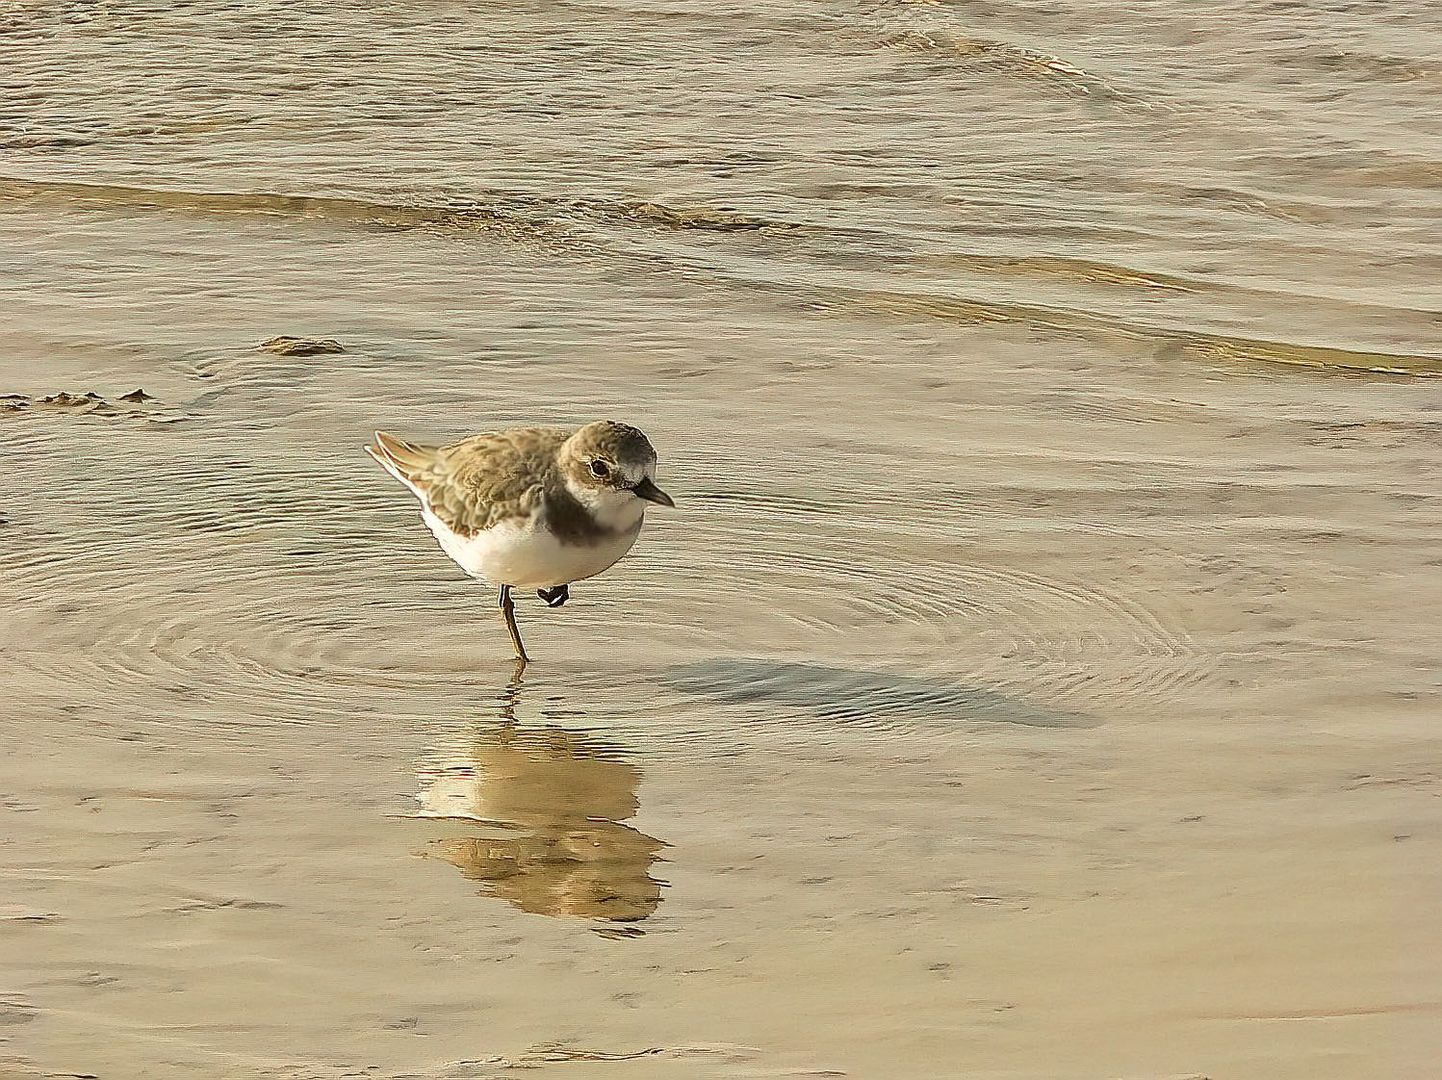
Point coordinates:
[[546, 808]]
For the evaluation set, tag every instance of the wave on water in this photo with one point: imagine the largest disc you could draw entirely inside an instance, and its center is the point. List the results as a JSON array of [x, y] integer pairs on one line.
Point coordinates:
[[1006, 58], [570, 222], [537, 216], [1165, 342]]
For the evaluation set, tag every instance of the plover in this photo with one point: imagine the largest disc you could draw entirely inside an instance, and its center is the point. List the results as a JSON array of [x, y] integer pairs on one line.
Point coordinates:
[[531, 508]]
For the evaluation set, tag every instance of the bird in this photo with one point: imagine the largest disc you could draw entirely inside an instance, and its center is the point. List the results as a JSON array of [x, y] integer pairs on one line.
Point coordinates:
[[531, 508]]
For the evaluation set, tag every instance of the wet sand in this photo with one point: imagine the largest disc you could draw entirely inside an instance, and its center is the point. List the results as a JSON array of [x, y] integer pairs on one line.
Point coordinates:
[[1036, 681]]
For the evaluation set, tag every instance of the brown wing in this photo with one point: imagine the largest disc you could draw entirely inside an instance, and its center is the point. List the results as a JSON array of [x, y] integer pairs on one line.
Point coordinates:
[[478, 482]]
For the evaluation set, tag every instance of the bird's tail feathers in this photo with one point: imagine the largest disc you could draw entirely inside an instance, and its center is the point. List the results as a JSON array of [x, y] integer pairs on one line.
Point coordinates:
[[408, 462]]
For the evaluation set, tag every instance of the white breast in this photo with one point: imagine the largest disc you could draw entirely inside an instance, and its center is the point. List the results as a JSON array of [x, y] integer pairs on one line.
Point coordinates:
[[522, 554]]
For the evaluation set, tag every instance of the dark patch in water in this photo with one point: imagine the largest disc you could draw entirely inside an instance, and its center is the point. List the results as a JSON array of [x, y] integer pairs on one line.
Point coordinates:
[[846, 695], [89, 404], [290, 345]]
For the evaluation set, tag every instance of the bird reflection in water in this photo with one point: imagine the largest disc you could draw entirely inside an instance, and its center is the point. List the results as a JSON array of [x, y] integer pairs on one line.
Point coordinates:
[[548, 805]]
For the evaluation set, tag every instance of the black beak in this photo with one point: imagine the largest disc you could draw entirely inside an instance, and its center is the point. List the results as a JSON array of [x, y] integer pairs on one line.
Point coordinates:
[[648, 490]]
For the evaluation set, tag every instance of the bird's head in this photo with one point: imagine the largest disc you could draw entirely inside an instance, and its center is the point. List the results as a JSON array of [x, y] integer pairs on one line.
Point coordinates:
[[611, 467]]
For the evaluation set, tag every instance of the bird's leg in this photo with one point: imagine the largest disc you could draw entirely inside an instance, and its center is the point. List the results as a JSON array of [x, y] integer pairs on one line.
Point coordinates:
[[516, 674], [508, 610], [555, 596], [509, 699]]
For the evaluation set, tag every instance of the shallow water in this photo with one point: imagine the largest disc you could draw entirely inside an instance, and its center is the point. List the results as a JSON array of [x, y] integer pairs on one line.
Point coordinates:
[[1037, 678]]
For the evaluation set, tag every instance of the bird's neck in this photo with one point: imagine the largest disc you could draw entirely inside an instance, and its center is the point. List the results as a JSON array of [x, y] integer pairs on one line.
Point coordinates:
[[612, 511]]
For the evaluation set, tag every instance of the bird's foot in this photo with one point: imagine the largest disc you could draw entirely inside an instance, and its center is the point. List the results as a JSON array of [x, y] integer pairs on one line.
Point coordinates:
[[555, 597]]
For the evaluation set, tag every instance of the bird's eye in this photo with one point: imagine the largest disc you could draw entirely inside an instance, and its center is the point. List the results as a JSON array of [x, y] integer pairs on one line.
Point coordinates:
[[600, 469]]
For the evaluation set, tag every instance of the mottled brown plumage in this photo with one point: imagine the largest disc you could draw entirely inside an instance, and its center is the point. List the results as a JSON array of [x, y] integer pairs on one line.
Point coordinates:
[[481, 481], [487, 479]]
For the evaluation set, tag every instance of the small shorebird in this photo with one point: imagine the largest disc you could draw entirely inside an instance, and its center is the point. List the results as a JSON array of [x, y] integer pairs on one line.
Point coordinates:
[[531, 508]]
